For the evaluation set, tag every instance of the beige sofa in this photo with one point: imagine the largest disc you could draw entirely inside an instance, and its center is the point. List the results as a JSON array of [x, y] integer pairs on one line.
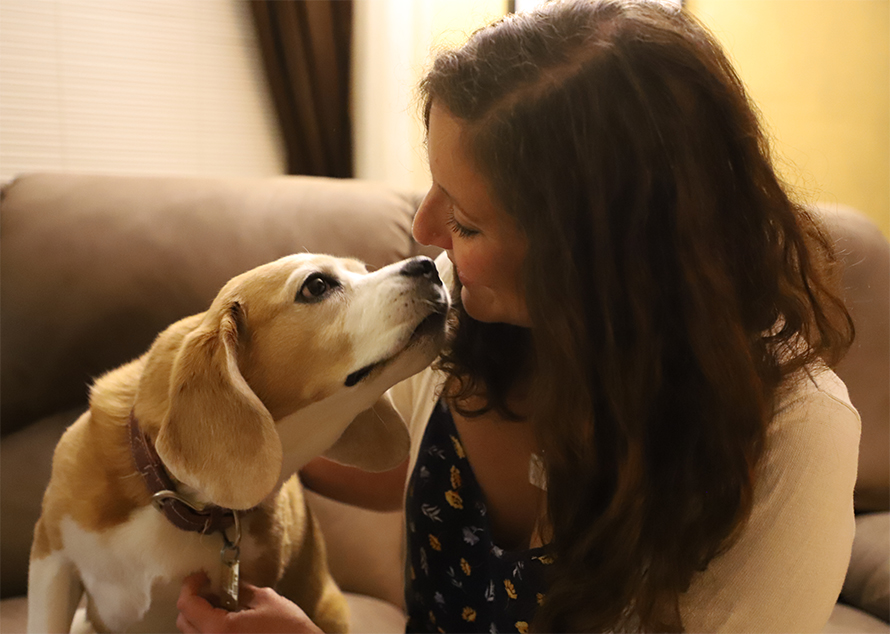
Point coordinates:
[[93, 267]]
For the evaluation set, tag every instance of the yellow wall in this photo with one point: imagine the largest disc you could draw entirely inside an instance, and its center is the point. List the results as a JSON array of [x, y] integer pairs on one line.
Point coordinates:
[[451, 23], [820, 72], [455, 20]]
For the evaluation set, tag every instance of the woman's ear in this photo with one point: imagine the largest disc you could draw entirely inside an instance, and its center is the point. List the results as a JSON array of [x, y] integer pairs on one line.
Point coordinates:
[[218, 437], [376, 440]]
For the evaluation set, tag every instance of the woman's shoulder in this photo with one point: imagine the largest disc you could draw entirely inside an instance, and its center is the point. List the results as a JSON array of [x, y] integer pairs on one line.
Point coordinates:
[[814, 424], [417, 393], [787, 565], [446, 270], [817, 399]]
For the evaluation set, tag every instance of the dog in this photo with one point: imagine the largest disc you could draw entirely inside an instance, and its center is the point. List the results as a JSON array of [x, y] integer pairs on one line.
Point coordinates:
[[185, 459]]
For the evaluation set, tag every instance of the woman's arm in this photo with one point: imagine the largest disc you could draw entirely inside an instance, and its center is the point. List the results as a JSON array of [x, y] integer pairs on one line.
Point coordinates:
[[375, 491]]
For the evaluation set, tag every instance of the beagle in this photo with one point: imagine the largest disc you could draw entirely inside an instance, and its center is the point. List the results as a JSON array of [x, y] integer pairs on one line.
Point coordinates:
[[185, 460]]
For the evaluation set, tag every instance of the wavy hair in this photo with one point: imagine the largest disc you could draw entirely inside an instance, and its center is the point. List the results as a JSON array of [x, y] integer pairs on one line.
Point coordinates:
[[671, 281]]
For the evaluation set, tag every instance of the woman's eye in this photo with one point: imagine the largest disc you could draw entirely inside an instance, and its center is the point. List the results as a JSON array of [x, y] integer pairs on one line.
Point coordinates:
[[459, 229], [314, 287]]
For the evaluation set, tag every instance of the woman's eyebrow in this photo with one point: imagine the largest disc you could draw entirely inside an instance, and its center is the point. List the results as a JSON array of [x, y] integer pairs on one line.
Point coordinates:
[[456, 203], [447, 193]]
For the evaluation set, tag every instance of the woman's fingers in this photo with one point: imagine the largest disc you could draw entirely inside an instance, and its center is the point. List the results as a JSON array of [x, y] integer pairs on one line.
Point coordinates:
[[196, 614]]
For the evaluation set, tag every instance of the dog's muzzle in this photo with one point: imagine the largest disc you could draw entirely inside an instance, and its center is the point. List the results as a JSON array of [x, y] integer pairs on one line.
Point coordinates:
[[436, 299]]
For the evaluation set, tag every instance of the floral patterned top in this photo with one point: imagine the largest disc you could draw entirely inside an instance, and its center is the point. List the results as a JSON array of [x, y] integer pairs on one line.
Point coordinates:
[[459, 580]]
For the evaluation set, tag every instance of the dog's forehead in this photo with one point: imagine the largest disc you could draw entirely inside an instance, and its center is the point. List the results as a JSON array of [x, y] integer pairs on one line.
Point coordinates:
[[306, 263], [269, 279]]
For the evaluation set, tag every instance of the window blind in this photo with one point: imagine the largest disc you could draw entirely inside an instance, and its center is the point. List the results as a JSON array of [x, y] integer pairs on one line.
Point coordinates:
[[134, 86]]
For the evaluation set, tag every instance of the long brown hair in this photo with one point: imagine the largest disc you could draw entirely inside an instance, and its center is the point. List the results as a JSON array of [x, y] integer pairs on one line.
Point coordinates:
[[671, 282]]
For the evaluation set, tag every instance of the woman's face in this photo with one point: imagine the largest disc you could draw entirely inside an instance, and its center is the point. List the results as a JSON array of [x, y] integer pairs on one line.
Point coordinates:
[[482, 240]]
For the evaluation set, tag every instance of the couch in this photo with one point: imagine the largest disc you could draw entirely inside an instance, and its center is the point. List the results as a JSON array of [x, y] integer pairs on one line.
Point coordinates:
[[93, 267]]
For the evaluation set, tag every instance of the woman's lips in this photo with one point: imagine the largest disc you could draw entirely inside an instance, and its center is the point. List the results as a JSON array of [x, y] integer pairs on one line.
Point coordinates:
[[456, 270]]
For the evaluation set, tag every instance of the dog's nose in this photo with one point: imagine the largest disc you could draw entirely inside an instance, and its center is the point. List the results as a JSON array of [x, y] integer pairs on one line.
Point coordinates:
[[420, 267]]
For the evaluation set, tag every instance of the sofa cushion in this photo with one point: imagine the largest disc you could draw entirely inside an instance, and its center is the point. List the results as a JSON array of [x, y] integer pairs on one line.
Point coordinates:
[[867, 585], [364, 548], [367, 614], [865, 253], [25, 467], [846, 619]]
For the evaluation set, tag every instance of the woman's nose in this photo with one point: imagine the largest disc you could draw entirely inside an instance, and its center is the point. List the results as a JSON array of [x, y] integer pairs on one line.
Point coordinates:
[[430, 226]]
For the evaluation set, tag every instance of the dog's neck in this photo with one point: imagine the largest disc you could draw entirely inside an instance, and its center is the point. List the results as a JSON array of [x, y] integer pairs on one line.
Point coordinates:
[[182, 512], [312, 430]]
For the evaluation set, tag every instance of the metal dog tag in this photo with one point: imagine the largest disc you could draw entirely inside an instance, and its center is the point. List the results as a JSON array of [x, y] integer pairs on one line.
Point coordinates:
[[231, 571], [230, 555]]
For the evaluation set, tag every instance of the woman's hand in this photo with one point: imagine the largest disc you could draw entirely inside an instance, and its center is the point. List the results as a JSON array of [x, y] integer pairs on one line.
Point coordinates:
[[262, 610]]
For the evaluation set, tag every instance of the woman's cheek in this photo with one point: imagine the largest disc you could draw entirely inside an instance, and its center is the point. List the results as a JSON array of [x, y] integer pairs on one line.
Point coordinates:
[[479, 303]]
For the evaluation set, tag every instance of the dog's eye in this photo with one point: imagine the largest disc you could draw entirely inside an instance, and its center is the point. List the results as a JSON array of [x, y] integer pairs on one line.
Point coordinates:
[[315, 286]]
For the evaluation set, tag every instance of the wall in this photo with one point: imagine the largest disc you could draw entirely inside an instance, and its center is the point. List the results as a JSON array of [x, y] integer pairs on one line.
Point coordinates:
[[134, 86], [820, 72], [165, 86], [394, 43]]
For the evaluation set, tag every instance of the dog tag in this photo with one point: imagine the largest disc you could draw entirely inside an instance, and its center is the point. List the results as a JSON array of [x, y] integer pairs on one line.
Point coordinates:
[[230, 556], [231, 571]]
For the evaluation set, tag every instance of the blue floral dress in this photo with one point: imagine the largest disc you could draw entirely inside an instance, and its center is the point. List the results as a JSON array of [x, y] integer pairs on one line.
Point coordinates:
[[458, 578]]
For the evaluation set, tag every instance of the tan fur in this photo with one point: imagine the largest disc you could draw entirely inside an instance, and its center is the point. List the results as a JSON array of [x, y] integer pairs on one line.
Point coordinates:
[[209, 393]]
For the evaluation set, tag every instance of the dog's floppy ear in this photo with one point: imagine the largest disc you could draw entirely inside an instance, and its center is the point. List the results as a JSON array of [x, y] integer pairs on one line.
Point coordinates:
[[218, 437], [376, 440]]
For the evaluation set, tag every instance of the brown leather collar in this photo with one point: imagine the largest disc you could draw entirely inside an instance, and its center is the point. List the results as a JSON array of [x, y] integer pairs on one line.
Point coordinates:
[[163, 490]]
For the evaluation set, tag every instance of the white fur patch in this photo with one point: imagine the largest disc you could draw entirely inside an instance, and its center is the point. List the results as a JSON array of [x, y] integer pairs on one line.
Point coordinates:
[[134, 572], [53, 593]]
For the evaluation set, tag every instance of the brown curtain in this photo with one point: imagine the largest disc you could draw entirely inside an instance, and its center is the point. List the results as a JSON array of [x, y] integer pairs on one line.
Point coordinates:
[[306, 48]]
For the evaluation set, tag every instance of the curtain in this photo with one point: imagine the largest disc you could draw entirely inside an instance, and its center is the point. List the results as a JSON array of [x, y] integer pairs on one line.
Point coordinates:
[[306, 47]]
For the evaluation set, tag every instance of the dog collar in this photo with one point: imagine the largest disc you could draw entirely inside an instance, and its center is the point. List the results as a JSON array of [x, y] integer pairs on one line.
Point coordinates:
[[162, 489]]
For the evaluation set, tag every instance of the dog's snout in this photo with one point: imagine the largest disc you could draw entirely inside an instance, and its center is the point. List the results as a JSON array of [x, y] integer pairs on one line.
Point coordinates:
[[420, 267]]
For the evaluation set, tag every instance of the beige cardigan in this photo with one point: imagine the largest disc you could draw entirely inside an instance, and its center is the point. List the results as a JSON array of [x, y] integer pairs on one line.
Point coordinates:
[[785, 572]]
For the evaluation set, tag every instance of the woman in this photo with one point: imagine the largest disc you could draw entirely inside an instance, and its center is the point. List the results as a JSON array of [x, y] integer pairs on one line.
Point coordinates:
[[637, 427]]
